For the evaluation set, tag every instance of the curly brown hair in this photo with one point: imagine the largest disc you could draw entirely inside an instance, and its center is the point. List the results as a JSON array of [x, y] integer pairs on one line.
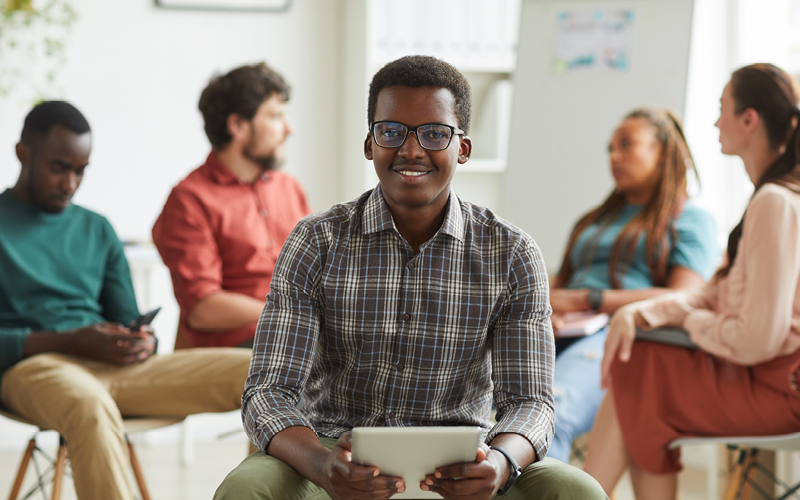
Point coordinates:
[[423, 71], [241, 92]]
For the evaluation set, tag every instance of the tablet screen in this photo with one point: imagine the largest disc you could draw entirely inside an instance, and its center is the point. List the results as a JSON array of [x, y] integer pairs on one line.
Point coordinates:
[[414, 452]]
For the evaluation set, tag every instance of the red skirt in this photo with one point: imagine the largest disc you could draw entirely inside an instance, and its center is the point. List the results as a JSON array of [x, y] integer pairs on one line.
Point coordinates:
[[666, 392]]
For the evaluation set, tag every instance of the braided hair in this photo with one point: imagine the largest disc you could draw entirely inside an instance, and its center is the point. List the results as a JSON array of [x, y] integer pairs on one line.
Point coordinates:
[[655, 221]]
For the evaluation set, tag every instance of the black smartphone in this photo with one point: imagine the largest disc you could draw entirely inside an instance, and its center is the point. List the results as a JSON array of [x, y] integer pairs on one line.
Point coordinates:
[[144, 319]]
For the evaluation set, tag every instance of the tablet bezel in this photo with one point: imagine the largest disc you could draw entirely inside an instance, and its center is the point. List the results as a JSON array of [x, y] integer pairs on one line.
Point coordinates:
[[413, 452]]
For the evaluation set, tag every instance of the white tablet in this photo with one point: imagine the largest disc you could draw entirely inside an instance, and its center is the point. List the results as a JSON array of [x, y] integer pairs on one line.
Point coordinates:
[[414, 452]]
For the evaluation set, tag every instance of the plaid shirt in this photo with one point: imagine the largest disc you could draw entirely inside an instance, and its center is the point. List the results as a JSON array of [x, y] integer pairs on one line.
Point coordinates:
[[373, 335]]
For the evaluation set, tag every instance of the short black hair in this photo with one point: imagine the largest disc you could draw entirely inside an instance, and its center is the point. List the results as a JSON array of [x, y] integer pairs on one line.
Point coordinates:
[[241, 92], [48, 114], [423, 71]]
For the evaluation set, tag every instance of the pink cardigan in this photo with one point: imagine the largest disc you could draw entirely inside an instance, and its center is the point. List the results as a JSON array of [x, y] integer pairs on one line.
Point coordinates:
[[753, 314]]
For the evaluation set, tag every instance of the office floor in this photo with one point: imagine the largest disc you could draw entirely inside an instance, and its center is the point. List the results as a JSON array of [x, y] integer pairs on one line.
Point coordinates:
[[169, 480]]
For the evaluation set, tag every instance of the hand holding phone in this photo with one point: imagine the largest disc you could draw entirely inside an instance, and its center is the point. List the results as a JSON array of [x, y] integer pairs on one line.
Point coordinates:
[[143, 320]]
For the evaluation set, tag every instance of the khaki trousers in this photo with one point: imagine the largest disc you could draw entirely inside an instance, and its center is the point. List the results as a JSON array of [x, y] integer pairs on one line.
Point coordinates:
[[262, 477], [84, 401]]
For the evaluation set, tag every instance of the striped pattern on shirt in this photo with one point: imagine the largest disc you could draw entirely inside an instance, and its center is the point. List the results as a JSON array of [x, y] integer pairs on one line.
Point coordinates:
[[373, 335]]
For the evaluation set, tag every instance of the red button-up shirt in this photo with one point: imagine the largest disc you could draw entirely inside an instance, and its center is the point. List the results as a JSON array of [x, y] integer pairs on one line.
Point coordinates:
[[217, 232]]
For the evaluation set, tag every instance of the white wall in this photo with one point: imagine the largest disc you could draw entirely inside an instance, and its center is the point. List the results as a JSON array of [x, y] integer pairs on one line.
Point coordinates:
[[137, 71], [712, 57], [726, 35]]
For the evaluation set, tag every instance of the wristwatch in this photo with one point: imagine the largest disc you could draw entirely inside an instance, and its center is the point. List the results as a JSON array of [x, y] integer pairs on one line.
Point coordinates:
[[595, 298], [515, 470]]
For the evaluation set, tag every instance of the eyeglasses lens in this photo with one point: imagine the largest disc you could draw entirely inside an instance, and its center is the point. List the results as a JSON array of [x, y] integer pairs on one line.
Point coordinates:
[[392, 135], [434, 136]]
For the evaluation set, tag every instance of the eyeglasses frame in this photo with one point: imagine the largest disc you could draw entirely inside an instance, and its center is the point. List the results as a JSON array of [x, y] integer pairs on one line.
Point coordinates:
[[454, 131]]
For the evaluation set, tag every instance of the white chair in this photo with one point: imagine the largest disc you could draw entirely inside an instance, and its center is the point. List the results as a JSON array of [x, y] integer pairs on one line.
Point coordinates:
[[57, 467], [741, 482]]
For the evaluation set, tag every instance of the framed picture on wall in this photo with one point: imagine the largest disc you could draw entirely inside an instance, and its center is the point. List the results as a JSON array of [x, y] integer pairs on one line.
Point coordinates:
[[231, 5]]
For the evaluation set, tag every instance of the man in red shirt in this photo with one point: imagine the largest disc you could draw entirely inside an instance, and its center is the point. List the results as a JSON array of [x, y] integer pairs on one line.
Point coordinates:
[[223, 226]]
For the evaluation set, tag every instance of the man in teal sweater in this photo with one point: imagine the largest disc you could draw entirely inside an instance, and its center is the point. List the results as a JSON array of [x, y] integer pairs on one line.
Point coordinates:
[[67, 362]]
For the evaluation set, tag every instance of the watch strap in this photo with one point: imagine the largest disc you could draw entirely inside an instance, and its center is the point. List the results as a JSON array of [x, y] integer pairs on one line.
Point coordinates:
[[595, 298], [515, 470]]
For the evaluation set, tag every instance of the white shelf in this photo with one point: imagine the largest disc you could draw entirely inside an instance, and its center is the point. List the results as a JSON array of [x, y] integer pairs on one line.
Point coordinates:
[[473, 35]]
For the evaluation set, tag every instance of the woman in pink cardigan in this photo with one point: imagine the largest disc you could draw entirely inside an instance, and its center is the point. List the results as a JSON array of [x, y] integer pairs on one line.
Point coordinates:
[[742, 380]]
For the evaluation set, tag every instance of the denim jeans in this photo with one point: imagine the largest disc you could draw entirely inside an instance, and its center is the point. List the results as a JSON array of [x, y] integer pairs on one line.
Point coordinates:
[[577, 391]]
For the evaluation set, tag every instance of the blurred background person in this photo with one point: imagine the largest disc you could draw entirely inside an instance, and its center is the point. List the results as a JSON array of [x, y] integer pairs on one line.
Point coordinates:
[[223, 226], [646, 239], [746, 321]]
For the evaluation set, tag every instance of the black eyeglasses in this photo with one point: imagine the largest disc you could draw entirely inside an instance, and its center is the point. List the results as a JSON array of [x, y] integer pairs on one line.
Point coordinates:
[[431, 136]]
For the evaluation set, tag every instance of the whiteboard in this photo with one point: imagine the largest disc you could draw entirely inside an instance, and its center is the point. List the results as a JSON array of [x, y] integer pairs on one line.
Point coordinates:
[[561, 122]]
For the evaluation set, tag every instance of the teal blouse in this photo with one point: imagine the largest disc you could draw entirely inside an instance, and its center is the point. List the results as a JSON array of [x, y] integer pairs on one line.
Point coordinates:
[[696, 249]]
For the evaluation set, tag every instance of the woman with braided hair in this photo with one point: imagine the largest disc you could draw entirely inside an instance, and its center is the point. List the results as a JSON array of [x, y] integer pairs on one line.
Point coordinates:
[[746, 321], [643, 241]]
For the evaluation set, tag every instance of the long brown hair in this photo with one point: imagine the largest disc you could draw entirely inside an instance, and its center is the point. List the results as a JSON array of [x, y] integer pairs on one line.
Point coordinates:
[[774, 95], [655, 219]]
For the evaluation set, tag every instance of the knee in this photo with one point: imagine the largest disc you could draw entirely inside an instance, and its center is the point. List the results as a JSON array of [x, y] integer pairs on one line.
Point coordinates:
[[94, 413], [580, 485], [262, 477], [553, 480], [236, 485]]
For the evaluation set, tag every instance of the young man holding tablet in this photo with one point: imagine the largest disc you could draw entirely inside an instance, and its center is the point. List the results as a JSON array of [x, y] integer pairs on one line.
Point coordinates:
[[405, 307]]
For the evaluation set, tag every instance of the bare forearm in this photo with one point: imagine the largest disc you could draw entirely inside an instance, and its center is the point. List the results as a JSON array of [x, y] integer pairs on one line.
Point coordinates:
[[564, 301], [519, 448], [301, 449], [614, 299], [225, 310], [680, 278]]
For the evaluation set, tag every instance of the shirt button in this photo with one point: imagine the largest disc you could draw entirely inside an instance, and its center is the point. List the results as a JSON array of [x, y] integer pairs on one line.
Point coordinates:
[[391, 415], [406, 317], [265, 213], [400, 366], [411, 266]]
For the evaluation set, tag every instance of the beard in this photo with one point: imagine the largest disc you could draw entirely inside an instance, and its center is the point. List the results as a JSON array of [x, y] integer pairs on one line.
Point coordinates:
[[266, 162]]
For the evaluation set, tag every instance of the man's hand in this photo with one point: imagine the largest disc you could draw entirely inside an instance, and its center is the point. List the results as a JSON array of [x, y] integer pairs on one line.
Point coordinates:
[[346, 480], [478, 480], [111, 343]]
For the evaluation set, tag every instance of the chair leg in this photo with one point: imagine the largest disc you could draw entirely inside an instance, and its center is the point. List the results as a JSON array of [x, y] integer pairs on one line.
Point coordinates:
[[61, 463], [23, 468], [735, 477], [747, 483], [738, 487], [137, 471]]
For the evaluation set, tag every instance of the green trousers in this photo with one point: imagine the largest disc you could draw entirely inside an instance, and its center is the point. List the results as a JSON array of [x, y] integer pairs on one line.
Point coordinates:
[[262, 477]]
